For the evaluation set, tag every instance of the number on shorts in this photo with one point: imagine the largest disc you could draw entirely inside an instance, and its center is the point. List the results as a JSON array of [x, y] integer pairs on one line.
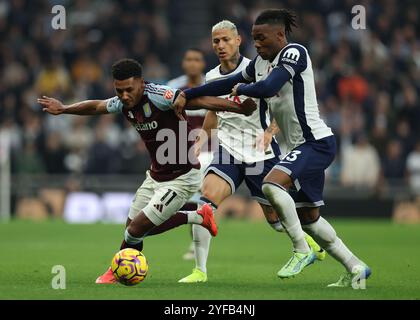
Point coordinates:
[[292, 156], [170, 195]]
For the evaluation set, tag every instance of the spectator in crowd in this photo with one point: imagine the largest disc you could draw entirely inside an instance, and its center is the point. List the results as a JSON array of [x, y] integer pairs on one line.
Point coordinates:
[[360, 164], [393, 164]]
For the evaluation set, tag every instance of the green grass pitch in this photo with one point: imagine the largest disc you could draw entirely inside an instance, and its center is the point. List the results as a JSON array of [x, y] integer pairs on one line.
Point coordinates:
[[243, 262]]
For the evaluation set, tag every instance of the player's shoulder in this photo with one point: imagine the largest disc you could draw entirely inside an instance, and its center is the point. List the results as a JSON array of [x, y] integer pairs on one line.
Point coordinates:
[[245, 61], [178, 82], [154, 88], [293, 52], [156, 91], [215, 72]]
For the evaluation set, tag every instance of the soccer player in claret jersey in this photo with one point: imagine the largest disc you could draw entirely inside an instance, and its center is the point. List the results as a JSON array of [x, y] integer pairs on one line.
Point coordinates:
[[168, 185], [282, 76]]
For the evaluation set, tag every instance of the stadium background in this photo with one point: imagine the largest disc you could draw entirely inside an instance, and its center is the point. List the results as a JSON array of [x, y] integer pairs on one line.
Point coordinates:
[[368, 84]]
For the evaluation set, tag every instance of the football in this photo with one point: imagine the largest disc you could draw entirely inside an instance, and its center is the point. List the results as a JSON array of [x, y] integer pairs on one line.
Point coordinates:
[[129, 266]]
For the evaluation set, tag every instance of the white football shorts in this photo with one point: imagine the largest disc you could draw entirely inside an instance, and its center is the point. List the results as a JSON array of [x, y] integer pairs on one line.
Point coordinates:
[[160, 200]]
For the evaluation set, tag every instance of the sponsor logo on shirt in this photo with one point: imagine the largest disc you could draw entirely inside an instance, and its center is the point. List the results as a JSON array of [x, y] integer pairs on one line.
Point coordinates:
[[168, 95], [291, 55], [146, 126]]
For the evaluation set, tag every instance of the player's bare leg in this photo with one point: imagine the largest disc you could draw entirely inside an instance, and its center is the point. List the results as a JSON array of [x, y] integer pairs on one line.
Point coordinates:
[[275, 187], [325, 235], [272, 218]]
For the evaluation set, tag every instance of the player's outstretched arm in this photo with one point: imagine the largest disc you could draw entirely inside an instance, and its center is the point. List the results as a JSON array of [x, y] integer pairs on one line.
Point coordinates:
[[209, 124], [264, 88], [87, 107], [218, 104], [216, 88]]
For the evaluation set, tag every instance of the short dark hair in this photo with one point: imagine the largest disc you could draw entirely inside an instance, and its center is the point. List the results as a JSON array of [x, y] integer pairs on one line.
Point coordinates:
[[126, 68], [285, 17], [196, 50]]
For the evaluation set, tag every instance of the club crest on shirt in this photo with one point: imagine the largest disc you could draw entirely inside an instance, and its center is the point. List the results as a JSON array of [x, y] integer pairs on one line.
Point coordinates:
[[147, 110], [168, 95]]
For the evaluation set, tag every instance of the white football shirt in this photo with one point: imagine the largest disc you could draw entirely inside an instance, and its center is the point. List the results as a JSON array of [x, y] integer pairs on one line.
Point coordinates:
[[294, 107], [237, 133]]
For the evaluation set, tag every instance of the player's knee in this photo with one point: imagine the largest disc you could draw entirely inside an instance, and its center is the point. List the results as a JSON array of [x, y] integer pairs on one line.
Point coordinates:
[[266, 189], [214, 193], [270, 190]]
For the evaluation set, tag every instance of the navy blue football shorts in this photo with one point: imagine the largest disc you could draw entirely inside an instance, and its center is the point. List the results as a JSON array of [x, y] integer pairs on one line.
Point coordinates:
[[306, 165], [234, 172]]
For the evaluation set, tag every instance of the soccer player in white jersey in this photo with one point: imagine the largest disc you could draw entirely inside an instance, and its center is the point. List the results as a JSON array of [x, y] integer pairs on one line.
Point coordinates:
[[168, 185], [282, 76], [237, 158]]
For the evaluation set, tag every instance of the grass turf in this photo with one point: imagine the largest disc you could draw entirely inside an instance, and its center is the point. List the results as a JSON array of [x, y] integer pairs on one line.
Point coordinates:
[[243, 262]]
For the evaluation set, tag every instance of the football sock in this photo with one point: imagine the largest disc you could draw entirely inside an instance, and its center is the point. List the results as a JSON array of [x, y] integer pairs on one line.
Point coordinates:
[[138, 246], [201, 240], [130, 240], [124, 245], [193, 217], [277, 226], [284, 205], [325, 235]]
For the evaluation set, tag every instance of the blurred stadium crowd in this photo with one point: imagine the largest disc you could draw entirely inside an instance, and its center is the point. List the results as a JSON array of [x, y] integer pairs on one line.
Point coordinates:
[[368, 81]]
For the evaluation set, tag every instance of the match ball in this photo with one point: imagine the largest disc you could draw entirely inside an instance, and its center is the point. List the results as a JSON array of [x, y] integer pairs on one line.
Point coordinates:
[[129, 267]]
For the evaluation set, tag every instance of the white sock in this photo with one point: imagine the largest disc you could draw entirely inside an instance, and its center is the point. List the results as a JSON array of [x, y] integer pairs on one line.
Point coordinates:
[[201, 239], [285, 207], [130, 239], [277, 226], [193, 217], [325, 235]]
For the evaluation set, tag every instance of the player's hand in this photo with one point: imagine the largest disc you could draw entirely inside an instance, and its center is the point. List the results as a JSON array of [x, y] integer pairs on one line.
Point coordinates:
[[248, 106], [51, 105], [235, 90], [179, 105], [263, 141], [197, 149]]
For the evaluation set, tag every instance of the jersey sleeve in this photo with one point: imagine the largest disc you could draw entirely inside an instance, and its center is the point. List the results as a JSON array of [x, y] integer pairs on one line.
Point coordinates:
[[293, 59], [249, 72], [161, 96], [114, 105]]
